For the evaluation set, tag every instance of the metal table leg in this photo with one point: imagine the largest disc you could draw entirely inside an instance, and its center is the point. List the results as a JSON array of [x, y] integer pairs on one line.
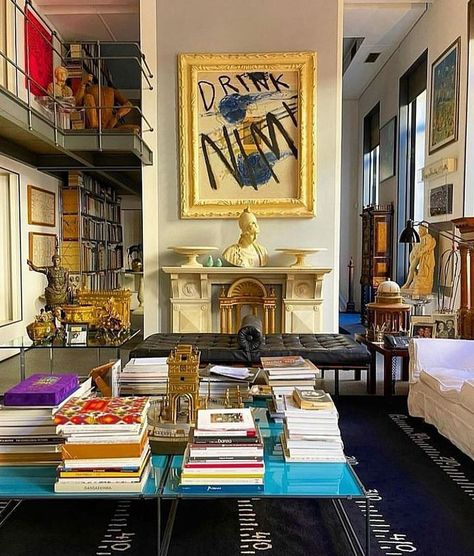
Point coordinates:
[[165, 543]]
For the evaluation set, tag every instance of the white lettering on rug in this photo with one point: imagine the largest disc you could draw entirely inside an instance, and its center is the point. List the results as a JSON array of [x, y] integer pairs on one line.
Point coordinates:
[[392, 544], [447, 463], [252, 541], [117, 539]]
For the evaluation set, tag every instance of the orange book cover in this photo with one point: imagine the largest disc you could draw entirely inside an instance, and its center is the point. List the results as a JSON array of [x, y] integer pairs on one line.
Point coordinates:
[[100, 451]]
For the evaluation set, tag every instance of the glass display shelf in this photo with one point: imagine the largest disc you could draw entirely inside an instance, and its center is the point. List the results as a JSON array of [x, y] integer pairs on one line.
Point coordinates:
[[29, 482], [24, 343], [282, 479]]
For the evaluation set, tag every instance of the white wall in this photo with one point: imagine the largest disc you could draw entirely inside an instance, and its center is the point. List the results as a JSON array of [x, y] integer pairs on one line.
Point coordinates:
[[263, 26], [442, 23], [33, 283], [350, 203]]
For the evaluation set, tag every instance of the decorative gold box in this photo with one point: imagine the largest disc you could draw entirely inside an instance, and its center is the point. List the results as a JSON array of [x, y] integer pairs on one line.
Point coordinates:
[[80, 313]]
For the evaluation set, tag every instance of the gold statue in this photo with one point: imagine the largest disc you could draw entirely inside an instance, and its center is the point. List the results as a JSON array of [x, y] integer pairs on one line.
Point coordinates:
[[111, 105], [59, 88], [56, 292], [422, 263], [247, 252]]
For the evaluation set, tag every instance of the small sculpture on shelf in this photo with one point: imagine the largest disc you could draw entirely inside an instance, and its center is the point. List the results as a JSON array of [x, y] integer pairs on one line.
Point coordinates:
[[57, 290], [110, 326], [59, 89], [247, 252]]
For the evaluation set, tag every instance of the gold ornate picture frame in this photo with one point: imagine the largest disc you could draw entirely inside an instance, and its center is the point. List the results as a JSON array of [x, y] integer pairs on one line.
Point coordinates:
[[247, 134], [41, 206]]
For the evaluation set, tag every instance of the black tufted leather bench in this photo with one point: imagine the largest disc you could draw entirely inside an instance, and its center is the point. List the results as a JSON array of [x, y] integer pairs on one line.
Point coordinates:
[[327, 351]]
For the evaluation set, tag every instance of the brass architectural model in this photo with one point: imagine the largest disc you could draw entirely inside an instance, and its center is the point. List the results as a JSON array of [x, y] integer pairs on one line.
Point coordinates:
[[183, 381]]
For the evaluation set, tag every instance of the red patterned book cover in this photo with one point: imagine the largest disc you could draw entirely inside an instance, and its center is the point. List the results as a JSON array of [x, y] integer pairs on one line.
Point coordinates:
[[103, 411]]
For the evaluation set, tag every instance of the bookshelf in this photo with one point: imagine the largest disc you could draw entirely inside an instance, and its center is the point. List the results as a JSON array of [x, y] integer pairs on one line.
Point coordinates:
[[91, 232]]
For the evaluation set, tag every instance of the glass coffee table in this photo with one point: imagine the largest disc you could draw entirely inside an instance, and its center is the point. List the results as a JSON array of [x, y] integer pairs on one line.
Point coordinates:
[[333, 481]]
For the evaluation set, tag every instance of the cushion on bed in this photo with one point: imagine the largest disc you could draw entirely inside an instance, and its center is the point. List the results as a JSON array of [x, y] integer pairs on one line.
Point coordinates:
[[324, 350]]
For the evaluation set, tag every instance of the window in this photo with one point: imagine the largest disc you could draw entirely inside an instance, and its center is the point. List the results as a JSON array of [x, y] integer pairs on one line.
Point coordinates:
[[371, 157], [412, 154], [10, 267]]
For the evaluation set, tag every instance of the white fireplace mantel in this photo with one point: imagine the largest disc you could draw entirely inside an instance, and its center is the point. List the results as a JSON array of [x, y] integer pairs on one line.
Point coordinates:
[[300, 303]]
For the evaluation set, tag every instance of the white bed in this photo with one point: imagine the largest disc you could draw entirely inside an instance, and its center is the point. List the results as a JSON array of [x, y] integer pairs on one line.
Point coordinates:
[[442, 388]]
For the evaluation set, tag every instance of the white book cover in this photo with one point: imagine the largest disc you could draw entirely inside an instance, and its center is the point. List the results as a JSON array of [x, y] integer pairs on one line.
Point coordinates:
[[72, 464], [225, 419]]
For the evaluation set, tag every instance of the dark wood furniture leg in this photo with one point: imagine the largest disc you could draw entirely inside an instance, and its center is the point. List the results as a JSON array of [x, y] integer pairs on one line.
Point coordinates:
[[405, 368], [357, 374], [372, 372], [387, 374]]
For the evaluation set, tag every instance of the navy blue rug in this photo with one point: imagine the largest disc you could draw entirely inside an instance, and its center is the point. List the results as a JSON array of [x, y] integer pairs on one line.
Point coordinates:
[[421, 487]]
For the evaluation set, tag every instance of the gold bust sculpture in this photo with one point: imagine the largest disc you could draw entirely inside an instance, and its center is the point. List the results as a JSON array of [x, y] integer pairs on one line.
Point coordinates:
[[422, 263], [59, 88], [247, 252]]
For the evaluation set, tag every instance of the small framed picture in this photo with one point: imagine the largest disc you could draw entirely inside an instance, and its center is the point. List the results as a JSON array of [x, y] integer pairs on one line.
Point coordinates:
[[76, 334], [422, 327], [445, 325]]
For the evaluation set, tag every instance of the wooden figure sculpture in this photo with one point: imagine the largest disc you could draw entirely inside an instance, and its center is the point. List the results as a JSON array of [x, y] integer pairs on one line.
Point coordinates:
[[107, 101], [183, 381]]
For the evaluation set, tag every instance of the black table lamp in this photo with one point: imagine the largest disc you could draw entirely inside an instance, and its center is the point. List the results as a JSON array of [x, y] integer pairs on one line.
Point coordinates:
[[409, 234]]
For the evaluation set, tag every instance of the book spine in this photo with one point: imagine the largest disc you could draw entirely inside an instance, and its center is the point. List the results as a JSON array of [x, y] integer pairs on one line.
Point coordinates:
[[218, 440], [221, 489]]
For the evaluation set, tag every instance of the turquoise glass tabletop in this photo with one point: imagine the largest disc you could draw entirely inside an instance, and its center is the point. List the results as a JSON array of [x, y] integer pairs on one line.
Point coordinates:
[[38, 482], [331, 480]]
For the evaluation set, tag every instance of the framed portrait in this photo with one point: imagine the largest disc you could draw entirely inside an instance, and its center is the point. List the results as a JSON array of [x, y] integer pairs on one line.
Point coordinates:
[[76, 334], [246, 133], [41, 206], [42, 247], [421, 327], [388, 149], [441, 200], [444, 104], [445, 325]]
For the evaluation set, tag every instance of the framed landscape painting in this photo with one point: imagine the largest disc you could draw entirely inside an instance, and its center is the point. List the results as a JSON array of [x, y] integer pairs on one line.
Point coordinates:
[[444, 107], [246, 132], [388, 149]]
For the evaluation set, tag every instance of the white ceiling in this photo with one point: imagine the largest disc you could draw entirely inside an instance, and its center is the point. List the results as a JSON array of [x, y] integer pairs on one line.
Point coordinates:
[[383, 25], [104, 20]]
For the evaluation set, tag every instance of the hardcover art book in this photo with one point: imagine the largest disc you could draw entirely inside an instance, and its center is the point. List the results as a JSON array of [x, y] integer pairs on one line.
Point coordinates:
[[41, 390], [225, 419], [102, 411], [283, 362], [312, 399]]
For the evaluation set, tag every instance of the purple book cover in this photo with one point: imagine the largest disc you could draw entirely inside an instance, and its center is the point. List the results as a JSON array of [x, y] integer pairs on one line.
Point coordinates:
[[41, 389]]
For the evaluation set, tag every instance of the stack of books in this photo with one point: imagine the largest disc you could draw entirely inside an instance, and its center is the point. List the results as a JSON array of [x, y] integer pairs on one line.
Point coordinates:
[[285, 373], [146, 376], [27, 432], [225, 453], [311, 430], [217, 380], [106, 445]]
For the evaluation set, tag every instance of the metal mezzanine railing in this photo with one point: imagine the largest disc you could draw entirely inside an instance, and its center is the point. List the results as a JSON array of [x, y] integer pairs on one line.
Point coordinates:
[[91, 58]]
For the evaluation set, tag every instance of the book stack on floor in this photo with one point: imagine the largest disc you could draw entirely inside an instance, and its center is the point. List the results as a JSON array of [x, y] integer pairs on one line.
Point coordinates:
[[285, 373], [27, 432], [225, 453], [106, 445], [144, 376], [311, 430]]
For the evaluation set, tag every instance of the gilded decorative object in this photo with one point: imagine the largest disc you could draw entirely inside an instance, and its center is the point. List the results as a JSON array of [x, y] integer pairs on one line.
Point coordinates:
[[80, 314], [110, 326], [422, 264], [246, 292], [247, 252], [121, 300], [192, 252], [183, 381], [247, 134], [42, 328], [301, 254]]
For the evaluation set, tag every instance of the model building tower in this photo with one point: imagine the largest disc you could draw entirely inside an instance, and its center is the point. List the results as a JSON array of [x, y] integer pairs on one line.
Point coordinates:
[[183, 381]]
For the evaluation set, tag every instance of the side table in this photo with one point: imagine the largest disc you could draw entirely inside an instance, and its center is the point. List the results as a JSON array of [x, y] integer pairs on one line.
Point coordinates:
[[389, 359]]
